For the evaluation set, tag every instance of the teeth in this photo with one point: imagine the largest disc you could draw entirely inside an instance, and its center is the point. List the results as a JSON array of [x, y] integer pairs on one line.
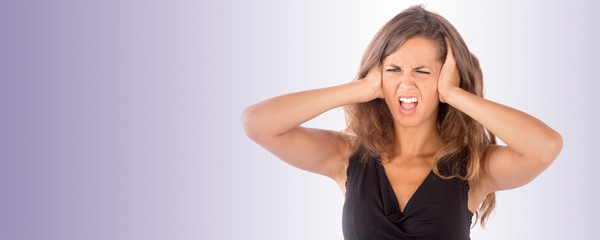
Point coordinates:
[[408, 100]]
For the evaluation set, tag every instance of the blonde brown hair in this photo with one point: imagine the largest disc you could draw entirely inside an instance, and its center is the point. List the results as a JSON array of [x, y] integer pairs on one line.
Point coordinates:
[[370, 125]]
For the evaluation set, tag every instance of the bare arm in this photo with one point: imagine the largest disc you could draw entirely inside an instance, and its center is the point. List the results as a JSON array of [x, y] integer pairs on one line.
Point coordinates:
[[275, 125], [531, 145]]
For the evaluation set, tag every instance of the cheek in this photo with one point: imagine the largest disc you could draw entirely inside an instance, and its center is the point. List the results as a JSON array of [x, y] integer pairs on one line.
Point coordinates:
[[429, 89], [388, 85]]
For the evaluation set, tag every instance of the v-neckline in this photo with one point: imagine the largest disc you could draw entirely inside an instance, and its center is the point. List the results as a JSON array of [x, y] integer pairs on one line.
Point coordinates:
[[393, 193]]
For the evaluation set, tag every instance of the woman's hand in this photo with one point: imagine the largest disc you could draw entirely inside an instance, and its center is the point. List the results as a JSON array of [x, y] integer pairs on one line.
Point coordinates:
[[373, 79], [449, 75]]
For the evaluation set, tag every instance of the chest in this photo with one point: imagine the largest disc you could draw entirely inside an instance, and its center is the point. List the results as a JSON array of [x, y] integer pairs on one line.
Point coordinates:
[[403, 205], [405, 182]]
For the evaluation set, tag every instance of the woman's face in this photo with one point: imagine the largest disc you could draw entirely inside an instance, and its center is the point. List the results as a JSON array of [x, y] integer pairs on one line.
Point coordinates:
[[410, 77]]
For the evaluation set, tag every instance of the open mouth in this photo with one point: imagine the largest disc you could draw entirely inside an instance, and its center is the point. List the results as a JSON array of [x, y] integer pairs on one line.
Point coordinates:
[[408, 105]]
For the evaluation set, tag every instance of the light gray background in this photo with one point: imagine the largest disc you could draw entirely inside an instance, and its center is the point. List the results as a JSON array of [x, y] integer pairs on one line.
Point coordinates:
[[120, 119]]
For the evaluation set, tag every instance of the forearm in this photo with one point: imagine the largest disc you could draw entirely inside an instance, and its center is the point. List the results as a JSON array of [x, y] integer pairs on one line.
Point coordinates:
[[523, 133], [281, 114]]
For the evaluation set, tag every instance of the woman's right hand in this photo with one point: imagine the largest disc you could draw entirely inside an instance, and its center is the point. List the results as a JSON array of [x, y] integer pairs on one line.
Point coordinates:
[[374, 79]]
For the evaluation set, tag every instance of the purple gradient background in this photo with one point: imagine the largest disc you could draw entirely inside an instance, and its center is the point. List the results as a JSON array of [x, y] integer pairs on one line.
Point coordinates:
[[120, 119]]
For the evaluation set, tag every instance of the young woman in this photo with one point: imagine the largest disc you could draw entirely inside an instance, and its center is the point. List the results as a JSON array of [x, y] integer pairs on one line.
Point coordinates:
[[419, 157]]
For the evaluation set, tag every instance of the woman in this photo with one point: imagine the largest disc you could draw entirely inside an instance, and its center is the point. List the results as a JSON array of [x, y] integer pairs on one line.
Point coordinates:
[[419, 157]]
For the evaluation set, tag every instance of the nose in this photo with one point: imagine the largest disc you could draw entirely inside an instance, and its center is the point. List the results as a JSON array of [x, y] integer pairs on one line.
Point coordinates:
[[407, 82]]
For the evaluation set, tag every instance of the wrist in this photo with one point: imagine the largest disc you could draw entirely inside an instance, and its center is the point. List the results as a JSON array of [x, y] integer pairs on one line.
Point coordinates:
[[448, 95], [365, 90]]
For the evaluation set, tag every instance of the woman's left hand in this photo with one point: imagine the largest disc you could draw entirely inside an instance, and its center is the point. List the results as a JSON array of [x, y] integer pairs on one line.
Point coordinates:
[[449, 75]]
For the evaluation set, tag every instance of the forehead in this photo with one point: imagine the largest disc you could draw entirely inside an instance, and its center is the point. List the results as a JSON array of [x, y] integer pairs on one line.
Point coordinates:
[[414, 51]]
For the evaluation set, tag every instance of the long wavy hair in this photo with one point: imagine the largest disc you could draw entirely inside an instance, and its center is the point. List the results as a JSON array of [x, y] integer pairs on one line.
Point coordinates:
[[370, 127]]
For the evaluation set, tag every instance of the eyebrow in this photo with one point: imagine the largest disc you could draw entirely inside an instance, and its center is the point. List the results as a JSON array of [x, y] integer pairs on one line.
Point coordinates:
[[396, 66]]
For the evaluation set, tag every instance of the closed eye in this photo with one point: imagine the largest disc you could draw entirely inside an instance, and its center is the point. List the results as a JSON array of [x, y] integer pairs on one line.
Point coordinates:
[[423, 72], [393, 70]]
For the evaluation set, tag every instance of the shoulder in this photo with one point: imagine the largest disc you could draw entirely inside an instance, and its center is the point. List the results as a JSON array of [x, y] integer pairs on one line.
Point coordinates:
[[357, 160], [454, 165]]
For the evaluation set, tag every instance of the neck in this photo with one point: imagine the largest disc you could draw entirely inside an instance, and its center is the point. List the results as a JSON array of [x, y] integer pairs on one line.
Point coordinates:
[[417, 141]]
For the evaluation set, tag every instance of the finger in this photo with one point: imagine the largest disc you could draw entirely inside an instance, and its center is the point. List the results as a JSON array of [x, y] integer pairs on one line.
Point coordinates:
[[373, 68], [376, 69], [377, 66], [449, 51]]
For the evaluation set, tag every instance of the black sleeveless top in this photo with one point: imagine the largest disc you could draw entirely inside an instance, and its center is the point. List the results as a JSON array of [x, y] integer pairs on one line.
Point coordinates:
[[437, 210]]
